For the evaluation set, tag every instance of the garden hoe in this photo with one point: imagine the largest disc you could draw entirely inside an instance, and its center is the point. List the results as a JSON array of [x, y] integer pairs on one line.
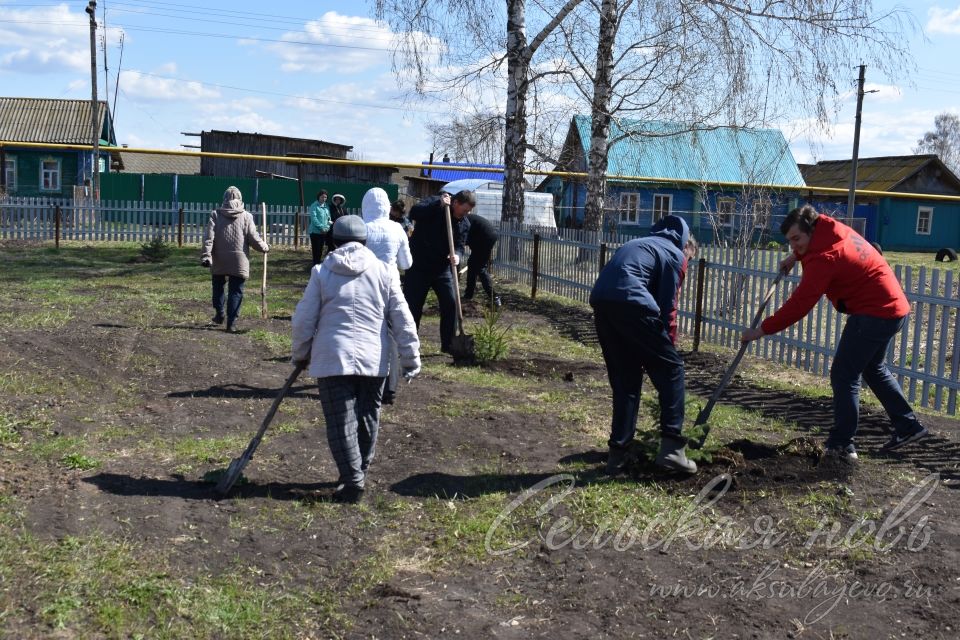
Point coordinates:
[[237, 465], [461, 345], [707, 410]]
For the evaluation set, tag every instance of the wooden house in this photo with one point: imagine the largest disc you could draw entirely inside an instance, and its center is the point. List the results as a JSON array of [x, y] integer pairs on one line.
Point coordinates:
[[718, 179], [922, 221], [65, 173]]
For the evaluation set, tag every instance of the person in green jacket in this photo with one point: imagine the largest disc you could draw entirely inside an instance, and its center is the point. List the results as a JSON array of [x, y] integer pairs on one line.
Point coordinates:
[[319, 225]]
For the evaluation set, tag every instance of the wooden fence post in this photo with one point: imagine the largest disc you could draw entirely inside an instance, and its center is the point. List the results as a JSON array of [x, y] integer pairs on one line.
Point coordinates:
[[180, 227], [603, 257], [57, 217], [536, 266], [698, 318]]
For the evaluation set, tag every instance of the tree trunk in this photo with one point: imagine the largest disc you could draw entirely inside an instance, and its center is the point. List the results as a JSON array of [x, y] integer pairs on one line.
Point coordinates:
[[514, 149], [600, 119]]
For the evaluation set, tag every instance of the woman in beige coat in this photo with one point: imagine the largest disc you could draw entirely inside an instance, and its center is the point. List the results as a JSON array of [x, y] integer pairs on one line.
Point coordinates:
[[226, 246]]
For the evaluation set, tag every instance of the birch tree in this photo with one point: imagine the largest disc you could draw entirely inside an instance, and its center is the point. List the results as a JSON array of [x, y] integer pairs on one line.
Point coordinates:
[[944, 140], [468, 28], [715, 62]]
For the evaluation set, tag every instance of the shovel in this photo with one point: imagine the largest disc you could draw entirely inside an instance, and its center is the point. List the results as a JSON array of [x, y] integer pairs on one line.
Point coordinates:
[[237, 464], [461, 345], [707, 410]]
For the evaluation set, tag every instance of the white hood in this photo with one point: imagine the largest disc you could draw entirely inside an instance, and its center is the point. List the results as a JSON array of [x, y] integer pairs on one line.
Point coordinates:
[[349, 259], [376, 205]]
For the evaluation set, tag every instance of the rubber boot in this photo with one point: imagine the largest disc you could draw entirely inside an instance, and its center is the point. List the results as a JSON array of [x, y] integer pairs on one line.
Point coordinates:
[[616, 460], [672, 456]]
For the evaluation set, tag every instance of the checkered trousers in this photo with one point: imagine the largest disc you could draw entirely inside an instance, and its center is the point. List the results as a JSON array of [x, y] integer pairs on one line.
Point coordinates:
[[351, 408]]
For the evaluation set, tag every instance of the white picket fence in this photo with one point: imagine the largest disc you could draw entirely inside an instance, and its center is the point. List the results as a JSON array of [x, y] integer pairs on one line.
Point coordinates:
[[132, 221], [566, 263]]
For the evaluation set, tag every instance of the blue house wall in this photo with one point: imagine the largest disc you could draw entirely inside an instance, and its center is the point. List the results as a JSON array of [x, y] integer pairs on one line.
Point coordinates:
[[898, 225]]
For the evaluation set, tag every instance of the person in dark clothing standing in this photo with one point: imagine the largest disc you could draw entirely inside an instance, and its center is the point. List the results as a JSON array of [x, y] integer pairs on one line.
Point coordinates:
[[634, 303], [398, 213], [337, 209], [431, 257], [481, 238]]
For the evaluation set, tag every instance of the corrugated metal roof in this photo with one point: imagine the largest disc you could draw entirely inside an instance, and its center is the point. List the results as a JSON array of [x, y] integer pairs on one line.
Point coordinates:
[[671, 150], [874, 174], [449, 175], [50, 120], [153, 163]]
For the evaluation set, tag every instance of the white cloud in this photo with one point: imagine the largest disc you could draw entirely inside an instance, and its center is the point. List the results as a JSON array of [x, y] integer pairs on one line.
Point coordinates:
[[893, 133], [943, 20], [335, 44], [146, 87], [44, 40]]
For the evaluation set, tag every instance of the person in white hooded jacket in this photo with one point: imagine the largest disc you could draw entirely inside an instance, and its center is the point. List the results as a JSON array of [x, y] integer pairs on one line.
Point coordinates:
[[351, 306], [388, 241]]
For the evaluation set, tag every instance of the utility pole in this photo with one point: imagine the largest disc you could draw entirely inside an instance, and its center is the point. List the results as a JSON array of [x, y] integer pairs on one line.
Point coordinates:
[[94, 107], [851, 199]]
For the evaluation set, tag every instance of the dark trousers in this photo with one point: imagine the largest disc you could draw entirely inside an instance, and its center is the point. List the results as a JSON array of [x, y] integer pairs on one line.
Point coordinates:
[[417, 283], [317, 240], [351, 409], [477, 268], [234, 296], [861, 353], [633, 343]]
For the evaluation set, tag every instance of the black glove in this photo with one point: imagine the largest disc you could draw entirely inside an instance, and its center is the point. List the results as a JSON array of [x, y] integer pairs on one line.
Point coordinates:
[[205, 263]]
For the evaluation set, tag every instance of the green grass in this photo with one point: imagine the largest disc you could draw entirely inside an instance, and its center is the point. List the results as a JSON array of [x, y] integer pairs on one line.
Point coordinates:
[[275, 343], [95, 586], [79, 462]]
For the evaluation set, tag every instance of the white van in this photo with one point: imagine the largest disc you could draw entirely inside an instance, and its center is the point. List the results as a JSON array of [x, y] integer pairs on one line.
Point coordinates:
[[537, 207]]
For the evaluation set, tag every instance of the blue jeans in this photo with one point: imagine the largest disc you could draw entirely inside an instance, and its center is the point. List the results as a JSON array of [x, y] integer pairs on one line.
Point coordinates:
[[633, 343], [861, 352], [234, 296]]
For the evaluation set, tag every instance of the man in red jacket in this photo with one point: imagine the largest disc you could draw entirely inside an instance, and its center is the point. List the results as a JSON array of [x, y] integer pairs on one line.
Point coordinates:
[[856, 279]]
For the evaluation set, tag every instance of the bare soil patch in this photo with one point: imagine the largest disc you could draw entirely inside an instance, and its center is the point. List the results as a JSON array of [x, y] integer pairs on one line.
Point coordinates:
[[143, 396]]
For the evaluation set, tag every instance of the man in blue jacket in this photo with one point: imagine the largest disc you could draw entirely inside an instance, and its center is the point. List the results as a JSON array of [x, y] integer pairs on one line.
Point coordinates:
[[634, 302]]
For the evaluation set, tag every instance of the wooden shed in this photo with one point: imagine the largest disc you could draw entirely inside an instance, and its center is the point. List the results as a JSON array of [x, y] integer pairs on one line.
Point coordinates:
[[269, 145]]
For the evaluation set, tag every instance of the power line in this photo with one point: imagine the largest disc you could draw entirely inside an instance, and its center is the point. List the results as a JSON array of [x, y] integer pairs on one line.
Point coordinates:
[[231, 36]]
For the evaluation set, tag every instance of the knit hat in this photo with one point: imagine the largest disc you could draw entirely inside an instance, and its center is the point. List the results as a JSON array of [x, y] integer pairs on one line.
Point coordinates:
[[349, 228]]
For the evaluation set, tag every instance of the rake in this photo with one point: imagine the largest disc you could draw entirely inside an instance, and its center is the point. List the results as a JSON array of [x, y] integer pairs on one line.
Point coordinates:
[[237, 464]]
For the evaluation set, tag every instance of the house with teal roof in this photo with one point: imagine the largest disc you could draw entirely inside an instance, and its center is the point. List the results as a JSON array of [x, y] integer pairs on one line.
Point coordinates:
[[736, 175]]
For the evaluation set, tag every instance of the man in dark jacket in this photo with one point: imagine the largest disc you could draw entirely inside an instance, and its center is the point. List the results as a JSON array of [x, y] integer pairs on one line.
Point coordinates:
[[839, 263], [634, 302], [481, 238], [431, 257]]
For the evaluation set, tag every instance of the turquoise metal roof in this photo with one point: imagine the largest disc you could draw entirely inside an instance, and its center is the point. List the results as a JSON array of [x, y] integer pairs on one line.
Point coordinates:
[[670, 150]]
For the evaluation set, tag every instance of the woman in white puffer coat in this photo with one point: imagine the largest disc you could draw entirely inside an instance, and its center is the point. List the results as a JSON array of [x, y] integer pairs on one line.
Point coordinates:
[[388, 241], [351, 308]]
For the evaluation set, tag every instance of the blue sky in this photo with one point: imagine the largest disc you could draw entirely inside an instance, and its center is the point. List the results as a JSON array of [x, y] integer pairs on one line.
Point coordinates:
[[323, 70]]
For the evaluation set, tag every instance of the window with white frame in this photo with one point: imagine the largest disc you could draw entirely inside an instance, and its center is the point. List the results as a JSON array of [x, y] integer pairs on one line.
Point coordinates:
[[662, 206], [761, 214], [924, 220], [726, 207], [629, 204], [50, 175], [10, 171]]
